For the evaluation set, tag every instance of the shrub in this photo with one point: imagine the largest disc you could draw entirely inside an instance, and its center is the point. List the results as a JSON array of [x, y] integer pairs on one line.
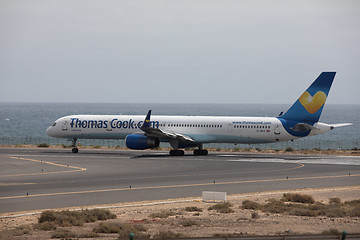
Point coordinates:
[[188, 223], [100, 214], [193, 209], [254, 215], [108, 228], [289, 149], [123, 229], [275, 206], [222, 207], [354, 212], [162, 214], [353, 202], [43, 145], [335, 211], [247, 204], [334, 200], [22, 230], [45, 226], [303, 212], [75, 218], [295, 197]]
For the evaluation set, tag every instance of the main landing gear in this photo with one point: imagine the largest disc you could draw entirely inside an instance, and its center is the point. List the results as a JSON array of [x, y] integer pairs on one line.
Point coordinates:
[[74, 148], [176, 152], [200, 152], [197, 152]]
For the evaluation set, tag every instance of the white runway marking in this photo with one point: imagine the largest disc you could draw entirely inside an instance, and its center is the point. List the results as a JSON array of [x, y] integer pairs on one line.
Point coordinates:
[[337, 160]]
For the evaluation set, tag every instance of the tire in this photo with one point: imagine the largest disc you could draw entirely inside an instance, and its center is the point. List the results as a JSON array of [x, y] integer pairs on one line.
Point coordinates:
[[176, 153], [200, 152]]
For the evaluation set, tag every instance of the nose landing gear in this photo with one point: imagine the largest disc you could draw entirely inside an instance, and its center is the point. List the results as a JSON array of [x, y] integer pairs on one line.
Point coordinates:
[[74, 148]]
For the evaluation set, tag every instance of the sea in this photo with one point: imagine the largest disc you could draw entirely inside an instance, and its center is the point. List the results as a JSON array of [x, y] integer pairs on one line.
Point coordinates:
[[26, 123]]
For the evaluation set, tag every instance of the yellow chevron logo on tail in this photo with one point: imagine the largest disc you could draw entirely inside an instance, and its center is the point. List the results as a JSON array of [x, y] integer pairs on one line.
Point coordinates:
[[312, 103]]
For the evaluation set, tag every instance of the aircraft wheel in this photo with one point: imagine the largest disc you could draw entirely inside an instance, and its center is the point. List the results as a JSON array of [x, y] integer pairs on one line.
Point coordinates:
[[176, 153], [75, 150], [200, 152]]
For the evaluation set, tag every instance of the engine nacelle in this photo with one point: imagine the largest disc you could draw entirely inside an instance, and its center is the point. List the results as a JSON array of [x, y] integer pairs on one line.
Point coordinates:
[[141, 142]]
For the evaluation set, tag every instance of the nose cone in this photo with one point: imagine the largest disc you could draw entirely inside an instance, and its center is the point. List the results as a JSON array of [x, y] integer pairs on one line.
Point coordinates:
[[50, 131]]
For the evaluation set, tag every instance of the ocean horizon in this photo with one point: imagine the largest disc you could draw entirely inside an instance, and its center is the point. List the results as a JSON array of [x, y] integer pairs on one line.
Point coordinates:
[[22, 123]]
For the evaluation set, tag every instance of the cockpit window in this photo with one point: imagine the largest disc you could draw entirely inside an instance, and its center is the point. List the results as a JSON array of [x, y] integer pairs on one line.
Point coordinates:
[[54, 124]]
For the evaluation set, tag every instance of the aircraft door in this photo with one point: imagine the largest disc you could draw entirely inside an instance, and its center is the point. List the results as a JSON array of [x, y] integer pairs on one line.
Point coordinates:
[[109, 128], [277, 129], [65, 126], [230, 127]]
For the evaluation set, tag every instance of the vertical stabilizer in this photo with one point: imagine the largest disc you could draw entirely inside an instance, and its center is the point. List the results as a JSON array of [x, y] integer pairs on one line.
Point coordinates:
[[308, 107]]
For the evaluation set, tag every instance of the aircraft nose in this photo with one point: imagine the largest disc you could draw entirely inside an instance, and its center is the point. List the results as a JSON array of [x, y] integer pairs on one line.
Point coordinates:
[[50, 131]]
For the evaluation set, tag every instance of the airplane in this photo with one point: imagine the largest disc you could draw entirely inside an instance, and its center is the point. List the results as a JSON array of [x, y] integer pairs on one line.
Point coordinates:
[[145, 132]]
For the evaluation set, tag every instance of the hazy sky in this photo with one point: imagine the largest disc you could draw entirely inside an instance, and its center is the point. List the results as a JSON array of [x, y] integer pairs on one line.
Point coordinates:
[[177, 51]]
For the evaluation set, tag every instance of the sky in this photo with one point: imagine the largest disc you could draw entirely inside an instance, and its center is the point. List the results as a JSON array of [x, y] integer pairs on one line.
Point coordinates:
[[177, 51]]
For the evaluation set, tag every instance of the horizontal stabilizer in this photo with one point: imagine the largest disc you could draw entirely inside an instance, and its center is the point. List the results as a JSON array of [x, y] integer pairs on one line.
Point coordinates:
[[335, 125], [302, 127]]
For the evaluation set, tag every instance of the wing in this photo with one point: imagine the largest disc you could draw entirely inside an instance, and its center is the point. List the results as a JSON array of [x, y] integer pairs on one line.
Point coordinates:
[[155, 132]]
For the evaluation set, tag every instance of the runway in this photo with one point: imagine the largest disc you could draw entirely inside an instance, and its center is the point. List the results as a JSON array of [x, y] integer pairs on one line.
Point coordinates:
[[34, 179]]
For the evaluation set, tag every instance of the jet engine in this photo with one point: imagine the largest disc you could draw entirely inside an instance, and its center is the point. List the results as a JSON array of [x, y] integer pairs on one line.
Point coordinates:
[[141, 142]]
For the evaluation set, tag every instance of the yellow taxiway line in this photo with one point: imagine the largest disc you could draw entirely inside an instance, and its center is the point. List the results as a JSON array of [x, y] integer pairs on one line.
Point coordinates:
[[75, 169]]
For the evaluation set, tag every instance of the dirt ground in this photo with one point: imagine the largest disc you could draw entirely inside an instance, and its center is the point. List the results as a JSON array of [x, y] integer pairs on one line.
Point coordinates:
[[207, 223]]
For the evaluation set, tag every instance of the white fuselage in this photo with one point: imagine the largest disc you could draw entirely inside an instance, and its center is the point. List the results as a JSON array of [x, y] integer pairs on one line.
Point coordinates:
[[202, 129]]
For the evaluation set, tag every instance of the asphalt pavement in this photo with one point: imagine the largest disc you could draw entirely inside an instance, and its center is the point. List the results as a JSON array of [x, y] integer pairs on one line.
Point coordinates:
[[34, 179]]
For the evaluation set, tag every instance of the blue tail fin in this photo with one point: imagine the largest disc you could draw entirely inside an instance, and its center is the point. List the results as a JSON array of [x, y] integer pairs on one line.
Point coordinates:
[[146, 123], [308, 107]]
